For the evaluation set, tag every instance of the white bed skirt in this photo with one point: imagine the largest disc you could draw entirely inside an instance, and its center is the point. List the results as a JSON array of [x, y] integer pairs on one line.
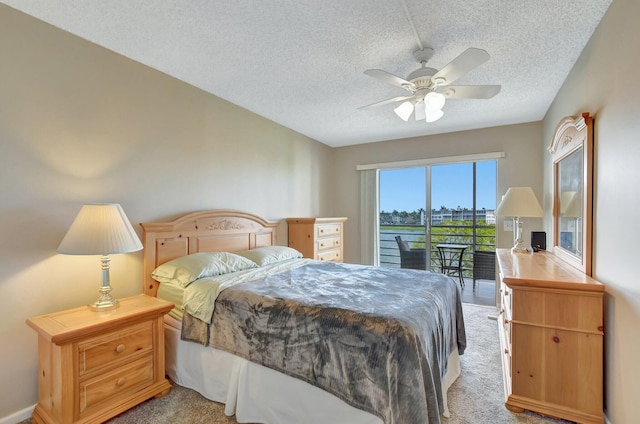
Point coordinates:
[[257, 394]]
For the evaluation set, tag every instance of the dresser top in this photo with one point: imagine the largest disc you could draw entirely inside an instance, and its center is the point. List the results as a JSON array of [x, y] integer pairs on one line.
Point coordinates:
[[544, 270], [316, 220]]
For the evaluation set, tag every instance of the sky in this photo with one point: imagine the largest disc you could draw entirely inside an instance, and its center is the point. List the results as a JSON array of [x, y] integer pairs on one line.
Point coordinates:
[[451, 185]]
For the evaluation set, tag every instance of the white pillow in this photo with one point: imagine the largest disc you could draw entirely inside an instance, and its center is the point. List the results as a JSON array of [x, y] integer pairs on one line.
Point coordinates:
[[186, 269], [270, 254]]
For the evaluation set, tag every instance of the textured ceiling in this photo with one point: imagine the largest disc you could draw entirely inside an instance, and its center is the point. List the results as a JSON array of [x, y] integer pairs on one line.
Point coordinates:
[[300, 63]]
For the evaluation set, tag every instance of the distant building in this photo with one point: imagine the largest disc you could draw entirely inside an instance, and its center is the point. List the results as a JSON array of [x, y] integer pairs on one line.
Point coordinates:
[[438, 216]]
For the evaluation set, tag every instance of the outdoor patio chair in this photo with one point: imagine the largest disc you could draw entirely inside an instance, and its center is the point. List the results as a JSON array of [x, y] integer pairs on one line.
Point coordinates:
[[484, 266], [411, 258]]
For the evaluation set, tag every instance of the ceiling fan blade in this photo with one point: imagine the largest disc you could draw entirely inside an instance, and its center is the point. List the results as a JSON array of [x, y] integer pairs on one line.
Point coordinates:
[[390, 78], [420, 111], [471, 91], [384, 102], [467, 61]]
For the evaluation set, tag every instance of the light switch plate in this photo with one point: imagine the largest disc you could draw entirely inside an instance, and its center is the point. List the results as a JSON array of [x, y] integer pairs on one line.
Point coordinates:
[[508, 225]]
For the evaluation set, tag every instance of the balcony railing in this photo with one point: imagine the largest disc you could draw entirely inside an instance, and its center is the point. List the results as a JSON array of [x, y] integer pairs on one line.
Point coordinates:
[[482, 239]]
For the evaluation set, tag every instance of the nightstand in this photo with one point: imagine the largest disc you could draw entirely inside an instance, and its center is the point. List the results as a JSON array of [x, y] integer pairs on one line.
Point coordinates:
[[96, 365]]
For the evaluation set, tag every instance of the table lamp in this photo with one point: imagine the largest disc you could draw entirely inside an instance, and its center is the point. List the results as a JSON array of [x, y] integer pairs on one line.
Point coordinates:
[[101, 229], [519, 202]]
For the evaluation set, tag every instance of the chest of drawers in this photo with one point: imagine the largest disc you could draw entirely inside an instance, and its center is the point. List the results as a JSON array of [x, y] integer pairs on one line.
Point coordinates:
[[318, 238], [551, 336], [95, 365]]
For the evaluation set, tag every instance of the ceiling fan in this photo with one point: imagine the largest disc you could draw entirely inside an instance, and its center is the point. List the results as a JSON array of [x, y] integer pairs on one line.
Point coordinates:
[[430, 88]]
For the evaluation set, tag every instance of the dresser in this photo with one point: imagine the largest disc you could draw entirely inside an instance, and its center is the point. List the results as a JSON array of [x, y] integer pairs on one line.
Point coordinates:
[[551, 336], [93, 366], [317, 238]]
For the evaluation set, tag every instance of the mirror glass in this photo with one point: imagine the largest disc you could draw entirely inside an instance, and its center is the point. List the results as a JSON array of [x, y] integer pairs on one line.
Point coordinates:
[[570, 171], [572, 154]]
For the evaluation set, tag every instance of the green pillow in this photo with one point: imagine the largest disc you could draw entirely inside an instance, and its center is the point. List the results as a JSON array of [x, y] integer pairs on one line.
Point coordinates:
[[270, 254], [186, 269]]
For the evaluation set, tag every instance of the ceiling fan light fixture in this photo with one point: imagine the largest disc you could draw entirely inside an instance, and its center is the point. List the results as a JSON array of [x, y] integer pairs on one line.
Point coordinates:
[[420, 111], [404, 111], [434, 101], [434, 115]]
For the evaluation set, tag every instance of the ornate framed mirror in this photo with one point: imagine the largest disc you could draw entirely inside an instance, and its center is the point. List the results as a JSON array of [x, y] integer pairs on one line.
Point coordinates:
[[572, 154]]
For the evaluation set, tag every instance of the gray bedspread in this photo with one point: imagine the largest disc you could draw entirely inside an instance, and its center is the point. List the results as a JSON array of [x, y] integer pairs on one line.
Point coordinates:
[[378, 338]]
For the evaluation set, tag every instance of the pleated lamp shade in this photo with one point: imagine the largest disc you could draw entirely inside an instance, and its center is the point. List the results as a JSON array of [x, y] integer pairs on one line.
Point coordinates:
[[520, 202], [100, 229]]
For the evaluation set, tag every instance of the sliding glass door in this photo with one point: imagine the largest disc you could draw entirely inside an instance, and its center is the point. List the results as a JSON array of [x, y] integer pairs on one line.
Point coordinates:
[[426, 207], [403, 218]]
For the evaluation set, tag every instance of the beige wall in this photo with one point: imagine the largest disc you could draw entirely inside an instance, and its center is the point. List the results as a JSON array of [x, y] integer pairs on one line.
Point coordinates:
[[604, 82], [520, 167], [81, 124]]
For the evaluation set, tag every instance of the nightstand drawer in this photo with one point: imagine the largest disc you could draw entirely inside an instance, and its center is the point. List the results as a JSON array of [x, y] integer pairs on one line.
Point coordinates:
[[119, 382], [115, 346], [326, 230], [329, 243], [330, 255]]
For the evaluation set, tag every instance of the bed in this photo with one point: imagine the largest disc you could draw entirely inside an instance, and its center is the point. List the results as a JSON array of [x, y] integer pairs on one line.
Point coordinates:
[[268, 376]]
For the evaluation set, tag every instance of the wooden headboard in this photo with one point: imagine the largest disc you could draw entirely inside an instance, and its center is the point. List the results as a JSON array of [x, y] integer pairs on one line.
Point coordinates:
[[206, 231]]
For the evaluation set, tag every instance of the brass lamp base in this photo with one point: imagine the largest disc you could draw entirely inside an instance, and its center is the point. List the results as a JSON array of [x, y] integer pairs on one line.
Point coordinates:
[[105, 303], [519, 246], [519, 249]]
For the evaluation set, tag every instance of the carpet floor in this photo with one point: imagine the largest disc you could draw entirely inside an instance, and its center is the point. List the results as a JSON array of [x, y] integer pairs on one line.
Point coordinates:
[[476, 397]]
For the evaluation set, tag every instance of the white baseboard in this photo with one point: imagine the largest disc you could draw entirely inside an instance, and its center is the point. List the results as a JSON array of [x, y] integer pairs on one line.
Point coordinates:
[[16, 417]]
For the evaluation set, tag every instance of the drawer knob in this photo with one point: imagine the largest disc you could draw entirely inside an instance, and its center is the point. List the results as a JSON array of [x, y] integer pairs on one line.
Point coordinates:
[[556, 339], [506, 351], [321, 244], [120, 348], [121, 382]]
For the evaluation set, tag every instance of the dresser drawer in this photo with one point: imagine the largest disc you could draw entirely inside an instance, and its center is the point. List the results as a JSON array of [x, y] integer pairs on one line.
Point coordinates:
[[114, 346], [504, 333], [558, 308], [506, 294], [327, 230], [330, 255], [507, 361], [118, 383], [558, 365], [328, 243], [506, 324]]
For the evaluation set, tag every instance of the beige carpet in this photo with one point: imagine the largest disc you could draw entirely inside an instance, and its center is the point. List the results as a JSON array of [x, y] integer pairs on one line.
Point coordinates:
[[475, 398]]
